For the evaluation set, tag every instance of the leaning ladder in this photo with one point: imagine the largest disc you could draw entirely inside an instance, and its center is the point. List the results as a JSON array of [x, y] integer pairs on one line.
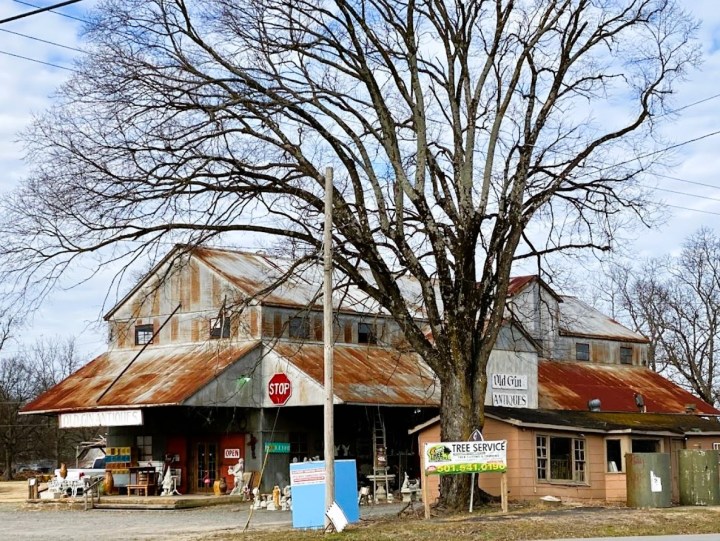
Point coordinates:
[[380, 468]]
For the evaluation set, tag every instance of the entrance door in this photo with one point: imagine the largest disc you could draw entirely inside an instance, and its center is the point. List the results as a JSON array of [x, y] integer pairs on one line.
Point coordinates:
[[675, 445], [206, 466]]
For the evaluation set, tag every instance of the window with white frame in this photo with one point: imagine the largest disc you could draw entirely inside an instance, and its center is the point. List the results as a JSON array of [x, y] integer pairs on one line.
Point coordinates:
[[220, 327], [560, 459], [144, 446]]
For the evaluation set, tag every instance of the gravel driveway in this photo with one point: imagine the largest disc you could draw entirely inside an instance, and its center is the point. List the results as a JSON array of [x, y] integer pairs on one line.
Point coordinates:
[[21, 523]]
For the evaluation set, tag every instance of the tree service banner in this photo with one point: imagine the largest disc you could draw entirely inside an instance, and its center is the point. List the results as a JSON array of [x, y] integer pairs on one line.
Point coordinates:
[[446, 458]]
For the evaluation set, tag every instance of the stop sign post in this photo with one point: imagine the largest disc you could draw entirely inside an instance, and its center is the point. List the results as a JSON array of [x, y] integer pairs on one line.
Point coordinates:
[[279, 389]]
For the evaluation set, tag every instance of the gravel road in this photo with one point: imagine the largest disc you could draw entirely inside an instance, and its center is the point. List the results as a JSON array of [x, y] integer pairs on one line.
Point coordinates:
[[23, 523]]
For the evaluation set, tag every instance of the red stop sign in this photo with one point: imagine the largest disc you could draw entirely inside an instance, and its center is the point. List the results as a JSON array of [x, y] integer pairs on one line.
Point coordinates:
[[279, 389]]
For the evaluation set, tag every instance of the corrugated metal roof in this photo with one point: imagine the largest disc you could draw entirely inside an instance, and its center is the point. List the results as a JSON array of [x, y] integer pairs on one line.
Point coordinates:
[[607, 421], [580, 319], [570, 385], [369, 375], [252, 273], [159, 376]]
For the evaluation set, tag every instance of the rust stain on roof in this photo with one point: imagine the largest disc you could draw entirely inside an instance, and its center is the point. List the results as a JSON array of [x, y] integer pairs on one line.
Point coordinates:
[[369, 374], [569, 386], [159, 376], [518, 283]]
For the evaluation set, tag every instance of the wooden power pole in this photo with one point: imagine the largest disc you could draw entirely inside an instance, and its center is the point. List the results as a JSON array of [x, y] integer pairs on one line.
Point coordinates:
[[328, 337]]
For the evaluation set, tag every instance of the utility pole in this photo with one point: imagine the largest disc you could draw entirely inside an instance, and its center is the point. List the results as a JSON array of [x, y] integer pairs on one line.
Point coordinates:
[[328, 337]]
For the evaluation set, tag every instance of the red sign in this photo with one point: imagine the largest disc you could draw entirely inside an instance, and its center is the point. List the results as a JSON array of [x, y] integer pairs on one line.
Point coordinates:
[[279, 389]]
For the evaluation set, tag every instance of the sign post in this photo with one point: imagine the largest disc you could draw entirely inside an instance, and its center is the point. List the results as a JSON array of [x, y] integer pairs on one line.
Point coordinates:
[[279, 389], [475, 436], [458, 457]]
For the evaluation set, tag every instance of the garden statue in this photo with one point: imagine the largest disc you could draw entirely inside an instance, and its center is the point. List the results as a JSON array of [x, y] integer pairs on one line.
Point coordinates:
[[167, 483], [237, 472]]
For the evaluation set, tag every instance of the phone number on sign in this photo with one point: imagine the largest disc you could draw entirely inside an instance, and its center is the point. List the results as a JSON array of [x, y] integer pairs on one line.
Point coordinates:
[[466, 468]]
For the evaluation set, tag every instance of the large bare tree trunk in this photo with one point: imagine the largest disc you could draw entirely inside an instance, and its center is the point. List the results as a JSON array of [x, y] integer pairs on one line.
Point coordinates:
[[465, 137]]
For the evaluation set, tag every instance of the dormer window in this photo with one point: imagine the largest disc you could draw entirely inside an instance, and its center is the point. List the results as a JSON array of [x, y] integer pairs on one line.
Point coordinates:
[[582, 352], [299, 327], [367, 333], [220, 327], [625, 355], [144, 334]]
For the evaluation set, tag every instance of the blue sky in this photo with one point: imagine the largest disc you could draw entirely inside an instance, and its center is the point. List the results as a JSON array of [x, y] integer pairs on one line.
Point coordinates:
[[26, 87]]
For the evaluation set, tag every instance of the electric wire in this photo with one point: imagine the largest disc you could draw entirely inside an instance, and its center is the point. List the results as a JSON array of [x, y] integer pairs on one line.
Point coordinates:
[[42, 40], [41, 10], [38, 61]]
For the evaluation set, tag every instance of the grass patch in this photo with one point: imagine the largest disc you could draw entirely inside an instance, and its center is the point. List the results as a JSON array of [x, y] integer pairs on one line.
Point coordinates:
[[519, 525]]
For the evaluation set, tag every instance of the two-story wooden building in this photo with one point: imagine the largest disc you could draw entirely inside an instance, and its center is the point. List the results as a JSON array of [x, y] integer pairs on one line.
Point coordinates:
[[195, 347], [210, 360]]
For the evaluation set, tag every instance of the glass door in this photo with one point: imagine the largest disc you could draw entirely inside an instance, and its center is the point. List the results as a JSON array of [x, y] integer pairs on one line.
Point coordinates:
[[206, 464]]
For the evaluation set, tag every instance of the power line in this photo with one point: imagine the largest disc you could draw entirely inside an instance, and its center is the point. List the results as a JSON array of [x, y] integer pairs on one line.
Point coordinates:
[[688, 181], [687, 106], [37, 61], [692, 210], [40, 10], [42, 40], [706, 197]]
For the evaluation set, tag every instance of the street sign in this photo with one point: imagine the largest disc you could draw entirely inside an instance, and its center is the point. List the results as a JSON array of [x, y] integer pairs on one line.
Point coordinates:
[[279, 389], [277, 447]]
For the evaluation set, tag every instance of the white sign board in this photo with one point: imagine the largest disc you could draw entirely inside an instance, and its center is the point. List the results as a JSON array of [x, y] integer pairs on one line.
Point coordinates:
[[509, 400], [101, 418], [451, 457], [232, 453], [516, 382], [308, 476]]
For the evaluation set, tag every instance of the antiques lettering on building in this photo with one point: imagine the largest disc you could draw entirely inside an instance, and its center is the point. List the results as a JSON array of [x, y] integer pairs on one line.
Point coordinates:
[[510, 382]]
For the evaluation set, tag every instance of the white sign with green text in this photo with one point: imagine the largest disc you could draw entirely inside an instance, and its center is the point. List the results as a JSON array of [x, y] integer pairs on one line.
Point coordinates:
[[446, 458]]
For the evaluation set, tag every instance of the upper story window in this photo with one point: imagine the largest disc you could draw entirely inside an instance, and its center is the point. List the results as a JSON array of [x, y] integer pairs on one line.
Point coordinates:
[[299, 327], [367, 333], [220, 327], [625, 355], [582, 352], [144, 334]]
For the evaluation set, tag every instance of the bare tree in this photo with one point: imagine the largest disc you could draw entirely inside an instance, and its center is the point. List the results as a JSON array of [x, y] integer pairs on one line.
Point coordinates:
[[465, 137], [23, 376], [675, 301], [17, 387]]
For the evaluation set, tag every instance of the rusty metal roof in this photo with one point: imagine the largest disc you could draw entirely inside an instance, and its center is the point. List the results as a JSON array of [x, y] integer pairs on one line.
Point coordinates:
[[570, 385], [607, 422], [369, 375], [159, 376]]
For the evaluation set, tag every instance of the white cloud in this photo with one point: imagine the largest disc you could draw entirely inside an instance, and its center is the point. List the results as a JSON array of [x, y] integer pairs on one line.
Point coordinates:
[[26, 88]]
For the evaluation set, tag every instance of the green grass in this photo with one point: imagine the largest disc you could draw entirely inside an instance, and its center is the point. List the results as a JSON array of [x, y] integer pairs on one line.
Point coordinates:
[[523, 523]]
